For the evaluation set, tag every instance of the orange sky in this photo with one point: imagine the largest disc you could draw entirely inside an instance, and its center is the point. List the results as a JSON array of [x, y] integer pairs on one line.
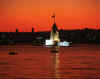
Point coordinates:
[[70, 14]]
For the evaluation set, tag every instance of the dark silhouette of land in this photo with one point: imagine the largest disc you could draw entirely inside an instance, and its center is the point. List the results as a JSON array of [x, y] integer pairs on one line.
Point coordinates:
[[89, 36]]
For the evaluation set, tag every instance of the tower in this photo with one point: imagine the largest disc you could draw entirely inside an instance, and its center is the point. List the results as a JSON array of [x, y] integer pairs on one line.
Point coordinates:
[[54, 36], [54, 31]]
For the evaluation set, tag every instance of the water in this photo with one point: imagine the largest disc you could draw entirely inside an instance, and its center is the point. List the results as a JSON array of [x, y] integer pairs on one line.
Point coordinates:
[[37, 62]]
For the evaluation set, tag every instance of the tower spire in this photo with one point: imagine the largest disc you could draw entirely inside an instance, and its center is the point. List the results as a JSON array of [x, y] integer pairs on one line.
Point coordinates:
[[54, 17]]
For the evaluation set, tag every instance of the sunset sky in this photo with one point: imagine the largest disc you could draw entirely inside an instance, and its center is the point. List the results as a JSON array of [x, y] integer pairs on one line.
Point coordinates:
[[70, 14]]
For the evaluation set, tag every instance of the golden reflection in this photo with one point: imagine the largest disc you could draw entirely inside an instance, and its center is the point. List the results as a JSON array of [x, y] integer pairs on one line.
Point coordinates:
[[56, 62]]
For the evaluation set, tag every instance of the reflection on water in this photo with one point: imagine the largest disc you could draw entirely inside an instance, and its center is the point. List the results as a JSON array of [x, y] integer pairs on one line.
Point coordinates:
[[78, 62], [55, 61]]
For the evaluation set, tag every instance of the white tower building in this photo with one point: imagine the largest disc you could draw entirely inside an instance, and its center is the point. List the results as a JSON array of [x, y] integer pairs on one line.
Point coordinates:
[[54, 36]]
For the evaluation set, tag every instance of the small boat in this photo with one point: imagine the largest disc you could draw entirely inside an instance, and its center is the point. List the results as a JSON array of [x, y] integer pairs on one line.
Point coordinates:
[[13, 53]]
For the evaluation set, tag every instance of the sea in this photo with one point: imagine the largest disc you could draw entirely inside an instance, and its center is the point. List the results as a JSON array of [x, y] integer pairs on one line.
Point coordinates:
[[79, 61]]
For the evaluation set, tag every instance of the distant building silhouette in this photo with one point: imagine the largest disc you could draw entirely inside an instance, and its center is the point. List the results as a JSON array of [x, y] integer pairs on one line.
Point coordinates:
[[37, 38], [32, 30], [17, 30]]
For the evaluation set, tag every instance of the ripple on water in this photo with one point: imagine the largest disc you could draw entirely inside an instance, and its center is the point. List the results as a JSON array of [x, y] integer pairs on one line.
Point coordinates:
[[3, 74], [83, 68], [23, 77], [4, 63]]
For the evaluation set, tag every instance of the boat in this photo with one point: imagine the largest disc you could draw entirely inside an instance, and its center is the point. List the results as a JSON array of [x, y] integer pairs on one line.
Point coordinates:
[[13, 53]]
